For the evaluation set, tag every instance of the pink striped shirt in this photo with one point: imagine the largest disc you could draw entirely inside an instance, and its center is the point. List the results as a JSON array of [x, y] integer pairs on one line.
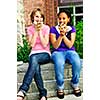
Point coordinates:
[[38, 48]]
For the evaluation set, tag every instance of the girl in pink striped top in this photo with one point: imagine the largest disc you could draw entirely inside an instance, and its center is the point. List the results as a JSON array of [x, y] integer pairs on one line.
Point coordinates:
[[38, 38]]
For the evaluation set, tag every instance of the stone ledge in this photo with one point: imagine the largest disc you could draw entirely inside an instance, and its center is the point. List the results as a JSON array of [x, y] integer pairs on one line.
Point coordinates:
[[49, 66], [49, 83]]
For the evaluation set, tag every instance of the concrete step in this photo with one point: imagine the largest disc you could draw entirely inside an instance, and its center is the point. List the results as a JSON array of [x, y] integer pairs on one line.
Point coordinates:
[[66, 97], [47, 71], [50, 85], [48, 74]]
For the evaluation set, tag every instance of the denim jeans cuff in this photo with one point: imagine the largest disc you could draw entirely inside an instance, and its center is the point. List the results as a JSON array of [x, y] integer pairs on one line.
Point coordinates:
[[60, 87], [74, 85], [43, 93], [23, 92]]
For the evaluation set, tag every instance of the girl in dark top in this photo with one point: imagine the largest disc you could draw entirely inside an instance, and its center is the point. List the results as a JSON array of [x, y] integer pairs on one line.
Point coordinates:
[[62, 38]]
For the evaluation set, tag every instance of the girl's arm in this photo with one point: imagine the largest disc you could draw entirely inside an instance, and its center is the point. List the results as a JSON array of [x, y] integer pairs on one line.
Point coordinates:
[[55, 42], [69, 43], [44, 38], [32, 39]]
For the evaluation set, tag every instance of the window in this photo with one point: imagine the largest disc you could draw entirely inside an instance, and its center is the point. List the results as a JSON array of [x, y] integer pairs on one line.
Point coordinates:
[[76, 12]]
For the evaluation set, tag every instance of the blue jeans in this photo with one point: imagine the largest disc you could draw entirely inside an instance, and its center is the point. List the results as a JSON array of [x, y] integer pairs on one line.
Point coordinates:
[[59, 58], [34, 71]]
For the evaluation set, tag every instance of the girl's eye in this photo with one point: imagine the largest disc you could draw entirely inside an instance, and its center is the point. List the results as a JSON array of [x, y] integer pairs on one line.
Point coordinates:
[[63, 18], [37, 16], [59, 18], [65, 28]]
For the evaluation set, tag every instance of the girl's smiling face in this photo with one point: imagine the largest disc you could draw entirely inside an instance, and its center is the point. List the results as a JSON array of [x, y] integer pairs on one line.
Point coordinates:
[[38, 17], [63, 18]]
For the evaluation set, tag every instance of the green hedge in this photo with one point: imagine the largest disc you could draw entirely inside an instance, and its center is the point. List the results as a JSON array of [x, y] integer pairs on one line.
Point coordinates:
[[79, 38], [23, 52]]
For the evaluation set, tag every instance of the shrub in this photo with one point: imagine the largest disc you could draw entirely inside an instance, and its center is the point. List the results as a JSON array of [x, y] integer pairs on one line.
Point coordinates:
[[79, 38], [23, 52]]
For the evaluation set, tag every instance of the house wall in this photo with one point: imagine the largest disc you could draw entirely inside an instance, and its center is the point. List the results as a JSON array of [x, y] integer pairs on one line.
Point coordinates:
[[49, 8], [69, 2], [20, 22]]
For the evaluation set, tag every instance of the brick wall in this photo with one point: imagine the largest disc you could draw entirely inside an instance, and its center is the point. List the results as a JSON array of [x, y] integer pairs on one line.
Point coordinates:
[[51, 11], [49, 8], [55, 10]]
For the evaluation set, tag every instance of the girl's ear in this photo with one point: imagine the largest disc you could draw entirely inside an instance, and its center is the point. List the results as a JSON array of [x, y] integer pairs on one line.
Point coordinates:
[[69, 19]]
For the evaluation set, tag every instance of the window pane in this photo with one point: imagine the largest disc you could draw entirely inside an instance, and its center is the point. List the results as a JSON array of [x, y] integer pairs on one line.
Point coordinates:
[[78, 10], [79, 18], [72, 20]]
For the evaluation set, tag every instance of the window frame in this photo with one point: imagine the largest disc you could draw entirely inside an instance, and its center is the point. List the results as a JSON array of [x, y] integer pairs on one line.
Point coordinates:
[[74, 12]]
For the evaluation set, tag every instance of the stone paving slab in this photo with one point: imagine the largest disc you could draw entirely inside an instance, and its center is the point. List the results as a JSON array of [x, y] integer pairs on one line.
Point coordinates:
[[68, 97]]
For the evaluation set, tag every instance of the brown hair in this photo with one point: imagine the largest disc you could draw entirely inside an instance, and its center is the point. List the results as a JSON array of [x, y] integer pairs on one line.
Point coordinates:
[[33, 13]]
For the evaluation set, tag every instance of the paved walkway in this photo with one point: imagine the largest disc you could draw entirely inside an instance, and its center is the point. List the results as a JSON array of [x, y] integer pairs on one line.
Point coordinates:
[[67, 97]]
